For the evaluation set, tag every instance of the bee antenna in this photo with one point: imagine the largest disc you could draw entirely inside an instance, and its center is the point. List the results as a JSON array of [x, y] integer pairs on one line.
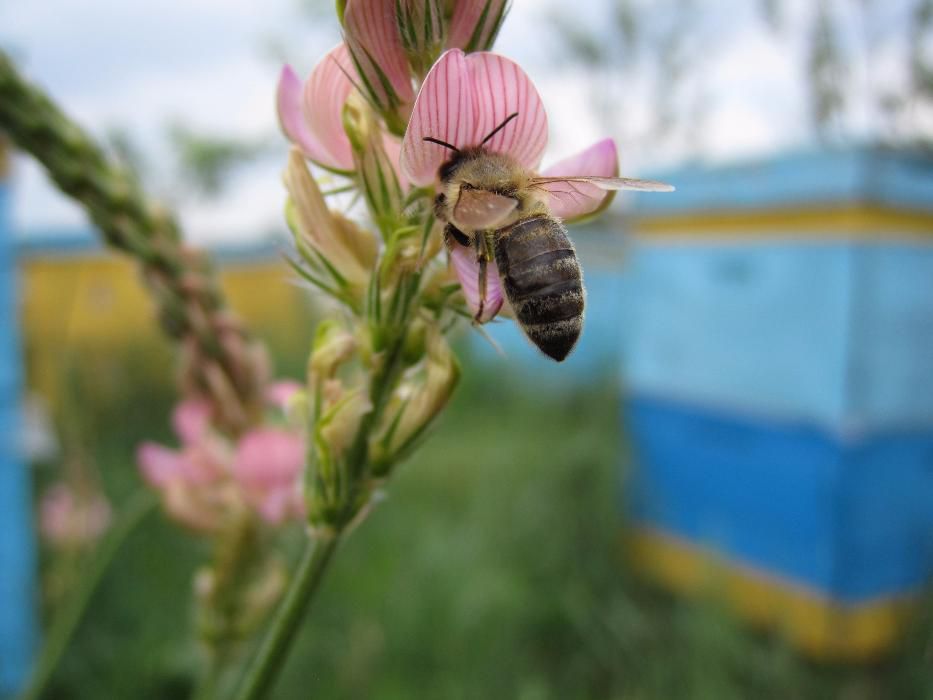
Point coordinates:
[[500, 127], [431, 139]]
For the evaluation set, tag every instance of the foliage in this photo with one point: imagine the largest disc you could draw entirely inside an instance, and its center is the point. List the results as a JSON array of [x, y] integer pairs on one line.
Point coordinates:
[[515, 589], [837, 47]]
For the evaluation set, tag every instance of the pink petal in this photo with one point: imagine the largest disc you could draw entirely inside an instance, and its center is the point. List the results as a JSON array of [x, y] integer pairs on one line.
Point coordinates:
[[206, 462], [464, 31], [159, 465], [279, 393], [373, 36], [291, 116], [325, 94], [268, 467], [501, 88], [444, 111], [191, 420], [467, 269], [575, 200]]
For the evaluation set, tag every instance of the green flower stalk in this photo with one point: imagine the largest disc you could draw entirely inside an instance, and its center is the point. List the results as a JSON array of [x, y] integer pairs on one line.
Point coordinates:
[[219, 358], [381, 374], [222, 368], [381, 370]]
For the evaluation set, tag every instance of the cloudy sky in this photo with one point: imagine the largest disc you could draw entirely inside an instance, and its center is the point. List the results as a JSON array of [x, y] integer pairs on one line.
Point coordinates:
[[212, 64]]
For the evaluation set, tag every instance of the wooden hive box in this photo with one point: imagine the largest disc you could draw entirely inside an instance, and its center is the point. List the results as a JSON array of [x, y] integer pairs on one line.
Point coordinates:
[[779, 368]]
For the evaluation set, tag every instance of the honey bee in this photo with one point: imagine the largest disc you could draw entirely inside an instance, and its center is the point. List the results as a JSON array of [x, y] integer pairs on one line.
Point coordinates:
[[492, 204]]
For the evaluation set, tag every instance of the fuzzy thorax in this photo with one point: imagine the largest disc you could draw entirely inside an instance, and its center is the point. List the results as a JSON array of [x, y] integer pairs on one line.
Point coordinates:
[[480, 169]]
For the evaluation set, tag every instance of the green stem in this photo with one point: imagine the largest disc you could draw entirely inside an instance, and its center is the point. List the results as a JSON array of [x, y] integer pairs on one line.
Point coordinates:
[[268, 661], [209, 683], [272, 652], [69, 617]]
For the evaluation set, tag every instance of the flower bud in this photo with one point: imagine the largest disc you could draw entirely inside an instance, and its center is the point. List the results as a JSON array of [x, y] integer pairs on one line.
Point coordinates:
[[332, 346], [377, 175], [475, 24], [416, 403], [421, 26], [337, 427], [360, 242], [321, 241], [372, 38], [70, 519]]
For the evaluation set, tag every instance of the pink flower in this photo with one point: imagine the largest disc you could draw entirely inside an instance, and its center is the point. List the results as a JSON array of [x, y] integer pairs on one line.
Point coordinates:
[[70, 519], [193, 480], [311, 114], [463, 99], [206, 482], [268, 467], [378, 56]]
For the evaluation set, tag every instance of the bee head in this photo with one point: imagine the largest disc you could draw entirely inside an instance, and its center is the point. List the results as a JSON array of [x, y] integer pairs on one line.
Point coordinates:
[[450, 168]]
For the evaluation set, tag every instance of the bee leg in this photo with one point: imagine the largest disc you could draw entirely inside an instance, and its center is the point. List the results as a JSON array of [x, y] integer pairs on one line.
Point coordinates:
[[481, 259], [484, 247], [452, 232]]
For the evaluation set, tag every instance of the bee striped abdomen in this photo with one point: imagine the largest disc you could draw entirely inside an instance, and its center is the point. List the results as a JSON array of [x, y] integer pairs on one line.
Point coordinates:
[[543, 282]]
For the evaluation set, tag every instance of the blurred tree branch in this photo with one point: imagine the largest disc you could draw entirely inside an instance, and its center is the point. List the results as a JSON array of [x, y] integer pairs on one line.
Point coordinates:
[[207, 161], [835, 45]]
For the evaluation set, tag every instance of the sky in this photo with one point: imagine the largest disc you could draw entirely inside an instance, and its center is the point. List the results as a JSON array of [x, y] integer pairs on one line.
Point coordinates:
[[213, 65]]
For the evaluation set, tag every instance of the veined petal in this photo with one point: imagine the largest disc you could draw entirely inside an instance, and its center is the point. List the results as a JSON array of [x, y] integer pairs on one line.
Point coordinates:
[[373, 38], [325, 94], [502, 88], [475, 24], [443, 110], [466, 268], [574, 200], [291, 117]]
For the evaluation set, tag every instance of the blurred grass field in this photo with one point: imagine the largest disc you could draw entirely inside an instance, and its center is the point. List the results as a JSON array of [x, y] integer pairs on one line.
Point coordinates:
[[492, 570]]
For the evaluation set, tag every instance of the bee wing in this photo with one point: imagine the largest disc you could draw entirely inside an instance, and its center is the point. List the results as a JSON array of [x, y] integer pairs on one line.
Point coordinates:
[[481, 209], [579, 196], [605, 183]]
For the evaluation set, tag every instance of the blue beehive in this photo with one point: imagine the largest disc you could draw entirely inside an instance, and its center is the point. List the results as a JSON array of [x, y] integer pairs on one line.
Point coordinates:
[[17, 624], [779, 365]]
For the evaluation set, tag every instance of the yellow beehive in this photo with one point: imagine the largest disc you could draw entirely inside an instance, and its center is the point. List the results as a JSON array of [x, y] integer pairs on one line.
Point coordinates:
[[91, 305]]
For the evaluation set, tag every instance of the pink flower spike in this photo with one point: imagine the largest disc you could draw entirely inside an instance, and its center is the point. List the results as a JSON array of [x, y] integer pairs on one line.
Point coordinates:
[[463, 99], [373, 37], [291, 116], [466, 268], [575, 200], [465, 30], [268, 466], [191, 420], [325, 94]]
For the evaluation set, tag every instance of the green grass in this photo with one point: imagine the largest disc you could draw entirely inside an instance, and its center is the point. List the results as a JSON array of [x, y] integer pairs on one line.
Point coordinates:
[[490, 571]]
